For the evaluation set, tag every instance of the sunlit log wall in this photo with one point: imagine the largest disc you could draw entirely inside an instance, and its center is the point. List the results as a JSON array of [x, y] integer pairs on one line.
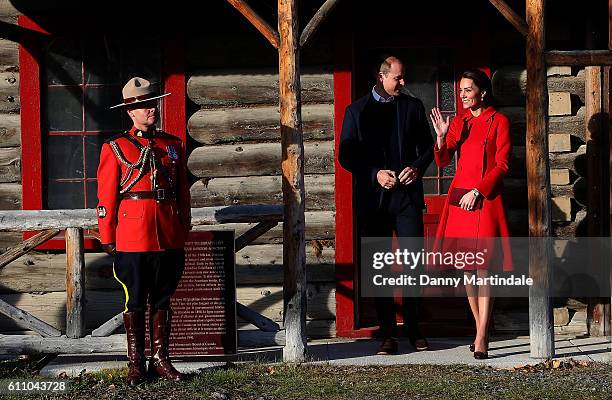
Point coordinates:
[[10, 132], [567, 149]]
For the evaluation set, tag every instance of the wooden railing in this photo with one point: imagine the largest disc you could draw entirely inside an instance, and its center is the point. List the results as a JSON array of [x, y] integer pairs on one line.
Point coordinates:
[[74, 222]]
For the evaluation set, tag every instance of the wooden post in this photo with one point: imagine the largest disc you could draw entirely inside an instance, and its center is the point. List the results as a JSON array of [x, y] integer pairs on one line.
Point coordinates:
[[594, 121], [594, 129], [75, 283], [294, 253], [541, 328]]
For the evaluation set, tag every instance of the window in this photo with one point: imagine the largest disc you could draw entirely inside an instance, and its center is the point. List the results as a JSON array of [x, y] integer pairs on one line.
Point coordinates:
[[83, 78], [430, 76]]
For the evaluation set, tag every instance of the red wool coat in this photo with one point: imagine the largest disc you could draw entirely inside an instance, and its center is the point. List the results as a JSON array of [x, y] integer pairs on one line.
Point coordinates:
[[144, 224], [483, 149]]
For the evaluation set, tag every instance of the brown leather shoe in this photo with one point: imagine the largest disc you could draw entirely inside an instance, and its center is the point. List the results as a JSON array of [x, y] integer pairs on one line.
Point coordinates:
[[419, 344], [388, 347], [159, 364], [134, 323]]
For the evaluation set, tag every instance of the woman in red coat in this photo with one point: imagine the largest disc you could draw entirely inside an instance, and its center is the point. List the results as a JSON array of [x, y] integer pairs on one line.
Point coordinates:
[[474, 207]]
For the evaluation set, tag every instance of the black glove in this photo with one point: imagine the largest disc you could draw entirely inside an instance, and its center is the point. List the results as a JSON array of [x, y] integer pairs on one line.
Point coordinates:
[[110, 248]]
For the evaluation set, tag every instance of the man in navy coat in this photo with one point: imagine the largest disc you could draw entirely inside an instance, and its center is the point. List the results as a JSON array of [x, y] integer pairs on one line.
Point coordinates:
[[386, 144]]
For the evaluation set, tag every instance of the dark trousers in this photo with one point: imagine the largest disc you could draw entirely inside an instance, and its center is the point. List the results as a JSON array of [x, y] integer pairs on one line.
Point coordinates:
[[406, 222], [150, 276]]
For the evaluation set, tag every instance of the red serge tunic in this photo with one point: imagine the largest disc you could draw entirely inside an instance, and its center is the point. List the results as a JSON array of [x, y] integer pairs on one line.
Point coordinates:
[[483, 148], [144, 224]]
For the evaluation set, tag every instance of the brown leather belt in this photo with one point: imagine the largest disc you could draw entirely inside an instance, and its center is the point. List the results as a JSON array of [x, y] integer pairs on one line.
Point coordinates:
[[157, 194]]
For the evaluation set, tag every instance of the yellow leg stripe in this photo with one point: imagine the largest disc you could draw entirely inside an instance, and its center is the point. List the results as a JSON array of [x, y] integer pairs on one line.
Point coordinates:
[[127, 295]]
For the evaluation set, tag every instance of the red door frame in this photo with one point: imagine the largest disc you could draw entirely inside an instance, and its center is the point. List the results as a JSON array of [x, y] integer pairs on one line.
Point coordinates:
[[344, 65], [173, 109]]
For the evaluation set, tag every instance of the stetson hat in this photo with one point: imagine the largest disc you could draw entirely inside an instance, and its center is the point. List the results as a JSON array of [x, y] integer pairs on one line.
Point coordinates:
[[138, 90]]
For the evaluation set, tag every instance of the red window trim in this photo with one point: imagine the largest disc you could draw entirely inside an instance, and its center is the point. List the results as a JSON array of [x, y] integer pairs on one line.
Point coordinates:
[[174, 112]]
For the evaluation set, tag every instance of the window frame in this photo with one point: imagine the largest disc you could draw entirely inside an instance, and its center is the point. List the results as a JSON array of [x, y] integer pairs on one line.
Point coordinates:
[[174, 118]]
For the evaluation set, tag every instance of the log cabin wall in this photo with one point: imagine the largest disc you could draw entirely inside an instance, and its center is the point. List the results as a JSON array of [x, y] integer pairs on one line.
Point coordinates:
[[567, 147], [10, 133], [236, 159]]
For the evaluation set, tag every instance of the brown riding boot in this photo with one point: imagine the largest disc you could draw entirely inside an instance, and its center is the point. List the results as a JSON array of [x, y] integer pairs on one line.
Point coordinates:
[[159, 364], [135, 331]]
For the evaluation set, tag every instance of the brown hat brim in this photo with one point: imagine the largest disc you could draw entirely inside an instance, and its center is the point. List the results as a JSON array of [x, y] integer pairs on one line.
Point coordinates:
[[140, 101]]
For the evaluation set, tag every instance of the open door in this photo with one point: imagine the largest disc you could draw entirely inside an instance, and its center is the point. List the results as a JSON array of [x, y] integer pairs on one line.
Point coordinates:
[[431, 74]]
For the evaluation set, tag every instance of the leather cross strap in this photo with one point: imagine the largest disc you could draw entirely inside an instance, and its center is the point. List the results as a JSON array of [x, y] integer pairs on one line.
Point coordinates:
[[158, 194]]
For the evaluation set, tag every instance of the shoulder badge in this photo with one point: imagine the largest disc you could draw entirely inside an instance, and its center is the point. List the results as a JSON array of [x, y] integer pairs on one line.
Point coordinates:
[[101, 211]]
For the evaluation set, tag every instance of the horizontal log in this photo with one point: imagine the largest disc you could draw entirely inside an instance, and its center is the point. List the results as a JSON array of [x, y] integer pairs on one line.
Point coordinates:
[[571, 229], [255, 265], [268, 300], [261, 190], [9, 92], [579, 58], [256, 159], [10, 130], [33, 220], [27, 220], [319, 225], [30, 344], [510, 84], [47, 273], [564, 190], [272, 273], [51, 307], [260, 123], [252, 338], [9, 54], [575, 162], [254, 86], [103, 305], [9, 239], [315, 328], [10, 196], [263, 264], [572, 124], [222, 214], [10, 164], [7, 9]]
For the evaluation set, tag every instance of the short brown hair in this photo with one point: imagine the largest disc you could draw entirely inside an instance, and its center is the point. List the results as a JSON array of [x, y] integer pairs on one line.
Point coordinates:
[[383, 64]]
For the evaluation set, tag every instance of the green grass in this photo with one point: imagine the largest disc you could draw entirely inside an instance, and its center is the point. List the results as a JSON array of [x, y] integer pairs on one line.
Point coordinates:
[[281, 381]]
